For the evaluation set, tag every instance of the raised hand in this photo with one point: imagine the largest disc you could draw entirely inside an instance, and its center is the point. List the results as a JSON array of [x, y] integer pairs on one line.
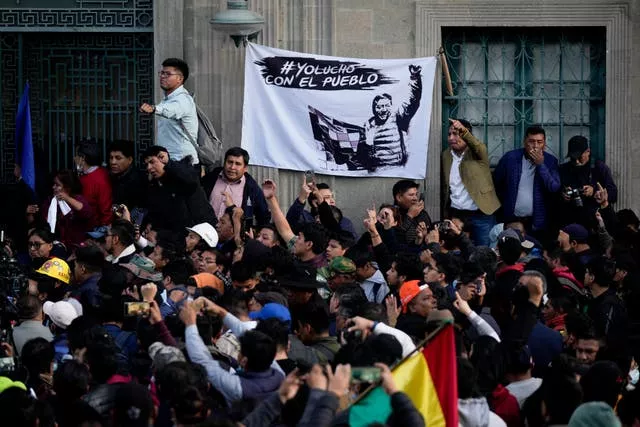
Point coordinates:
[[339, 380], [393, 311], [289, 387], [305, 190], [388, 383], [458, 127], [269, 189]]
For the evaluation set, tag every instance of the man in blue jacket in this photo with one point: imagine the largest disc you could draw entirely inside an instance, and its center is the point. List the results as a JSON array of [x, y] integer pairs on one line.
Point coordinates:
[[233, 179], [524, 180]]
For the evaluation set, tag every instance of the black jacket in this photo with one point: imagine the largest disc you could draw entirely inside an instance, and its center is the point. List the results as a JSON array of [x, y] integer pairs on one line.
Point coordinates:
[[177, 200], [252, 191], [128, 188], [611, 321]]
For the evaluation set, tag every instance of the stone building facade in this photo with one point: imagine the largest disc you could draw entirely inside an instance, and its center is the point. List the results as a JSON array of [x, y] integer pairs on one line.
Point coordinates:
[[401, 29], [594, 39]]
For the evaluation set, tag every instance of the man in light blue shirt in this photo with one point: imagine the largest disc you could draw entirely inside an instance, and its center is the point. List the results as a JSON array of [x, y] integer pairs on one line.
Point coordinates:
[[177, 117]]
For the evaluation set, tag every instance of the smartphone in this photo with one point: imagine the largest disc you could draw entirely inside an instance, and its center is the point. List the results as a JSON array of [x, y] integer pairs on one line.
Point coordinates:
[[478, 285], [7, 364], [310, 176], [422, 196], [368, 374], [133, 309]]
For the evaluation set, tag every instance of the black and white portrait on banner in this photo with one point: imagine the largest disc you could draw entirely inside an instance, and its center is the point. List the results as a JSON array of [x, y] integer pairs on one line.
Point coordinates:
[[340, 116]]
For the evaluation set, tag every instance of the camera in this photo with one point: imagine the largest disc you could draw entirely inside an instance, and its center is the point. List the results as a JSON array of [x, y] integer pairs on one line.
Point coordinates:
[[575, 195], [443, 227]]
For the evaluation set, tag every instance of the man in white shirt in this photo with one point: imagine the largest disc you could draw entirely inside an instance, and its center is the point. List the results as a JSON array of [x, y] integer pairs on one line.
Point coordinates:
[[467, 185], [177, 117]]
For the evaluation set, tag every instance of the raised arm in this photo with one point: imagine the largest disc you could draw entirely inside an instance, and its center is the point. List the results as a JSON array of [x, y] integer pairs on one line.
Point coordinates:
[[279, 219]]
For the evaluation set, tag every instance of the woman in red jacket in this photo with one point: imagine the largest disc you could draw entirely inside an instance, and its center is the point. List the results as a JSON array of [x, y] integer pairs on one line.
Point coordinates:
[[67, 212]]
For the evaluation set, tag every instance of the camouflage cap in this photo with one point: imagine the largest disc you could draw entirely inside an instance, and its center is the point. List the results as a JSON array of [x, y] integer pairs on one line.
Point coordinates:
[[342, 265]]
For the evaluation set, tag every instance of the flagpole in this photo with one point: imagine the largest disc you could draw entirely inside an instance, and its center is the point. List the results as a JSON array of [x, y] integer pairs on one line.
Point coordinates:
[[445, 71], [419, 347]]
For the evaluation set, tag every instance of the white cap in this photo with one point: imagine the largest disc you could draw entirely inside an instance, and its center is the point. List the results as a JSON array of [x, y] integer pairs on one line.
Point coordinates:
[[61, 313], [76, 304], [207, 232]]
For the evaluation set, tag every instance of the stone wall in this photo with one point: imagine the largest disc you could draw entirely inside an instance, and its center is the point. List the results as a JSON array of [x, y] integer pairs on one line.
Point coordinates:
[[395, 29]]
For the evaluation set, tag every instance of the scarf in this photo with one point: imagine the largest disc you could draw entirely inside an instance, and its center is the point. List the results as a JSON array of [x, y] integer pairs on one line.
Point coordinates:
[[52, 213]]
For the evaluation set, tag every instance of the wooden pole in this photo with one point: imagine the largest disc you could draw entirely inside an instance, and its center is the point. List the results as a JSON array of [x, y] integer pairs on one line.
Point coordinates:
[[445, 71]]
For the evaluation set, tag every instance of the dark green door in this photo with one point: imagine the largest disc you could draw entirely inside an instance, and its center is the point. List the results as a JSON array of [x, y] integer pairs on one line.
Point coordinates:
[[83, 85], [505, 80]]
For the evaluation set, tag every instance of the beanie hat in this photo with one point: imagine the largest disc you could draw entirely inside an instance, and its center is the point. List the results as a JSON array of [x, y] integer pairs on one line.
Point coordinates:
[[594, 414]]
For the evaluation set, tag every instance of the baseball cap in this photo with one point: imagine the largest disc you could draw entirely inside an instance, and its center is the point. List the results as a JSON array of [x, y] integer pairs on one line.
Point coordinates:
[[270, 311], [577, 145], [493, 235], [77, 305], [272, 296], [300, 277], [162, 355], [576, 232], [409, 290], [56, 269], [143, 268], [61, 313], [206, 232], [132, 406], [204, 280], [98, 232], [341, 265], [510, 233]]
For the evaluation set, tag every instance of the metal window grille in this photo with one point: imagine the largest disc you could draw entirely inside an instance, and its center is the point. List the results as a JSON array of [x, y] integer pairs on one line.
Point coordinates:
[[505, 80]]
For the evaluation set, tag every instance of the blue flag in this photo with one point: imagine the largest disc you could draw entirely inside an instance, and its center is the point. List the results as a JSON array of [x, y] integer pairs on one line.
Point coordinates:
[[24, 142]]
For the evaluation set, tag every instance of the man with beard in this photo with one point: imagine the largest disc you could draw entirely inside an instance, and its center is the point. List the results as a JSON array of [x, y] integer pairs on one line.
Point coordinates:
[[524, 179]]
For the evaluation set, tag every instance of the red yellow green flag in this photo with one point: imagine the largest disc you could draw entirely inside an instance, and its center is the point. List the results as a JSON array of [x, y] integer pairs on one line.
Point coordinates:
[[428, 377]]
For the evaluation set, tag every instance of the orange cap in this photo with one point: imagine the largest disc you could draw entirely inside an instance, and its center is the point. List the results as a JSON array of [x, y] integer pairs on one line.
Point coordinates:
[[408, 291], [204, 280]]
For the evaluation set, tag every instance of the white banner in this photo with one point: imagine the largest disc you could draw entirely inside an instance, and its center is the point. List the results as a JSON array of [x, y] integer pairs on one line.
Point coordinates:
[[337, 116]]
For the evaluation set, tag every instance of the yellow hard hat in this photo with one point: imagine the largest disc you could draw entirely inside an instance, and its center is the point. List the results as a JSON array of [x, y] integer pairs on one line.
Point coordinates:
[[57, 269]]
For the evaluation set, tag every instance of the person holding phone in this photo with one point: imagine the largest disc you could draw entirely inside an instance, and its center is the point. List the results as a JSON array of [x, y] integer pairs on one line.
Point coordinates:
[[315, 193], [406, 196]]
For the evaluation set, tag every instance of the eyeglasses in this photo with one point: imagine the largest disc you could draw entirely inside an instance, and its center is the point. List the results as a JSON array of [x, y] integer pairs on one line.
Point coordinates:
[[35, 245], [167, 74], [429, 267]]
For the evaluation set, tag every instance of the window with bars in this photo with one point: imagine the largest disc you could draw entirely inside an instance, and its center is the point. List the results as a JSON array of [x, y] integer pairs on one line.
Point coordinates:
[[505, 80]]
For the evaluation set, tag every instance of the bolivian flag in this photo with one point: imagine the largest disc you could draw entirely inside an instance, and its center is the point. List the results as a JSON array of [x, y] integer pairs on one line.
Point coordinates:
[[428, 377]]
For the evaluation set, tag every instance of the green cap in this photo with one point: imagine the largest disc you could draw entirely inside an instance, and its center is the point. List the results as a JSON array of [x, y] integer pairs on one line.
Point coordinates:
[[342, 265]]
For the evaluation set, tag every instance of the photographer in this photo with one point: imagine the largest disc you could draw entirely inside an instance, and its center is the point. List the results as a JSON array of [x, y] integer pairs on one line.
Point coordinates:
[[579, 180]]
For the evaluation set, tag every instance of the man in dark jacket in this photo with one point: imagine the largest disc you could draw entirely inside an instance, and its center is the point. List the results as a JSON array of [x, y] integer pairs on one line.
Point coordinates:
[[524, 179], [607, 311], [580, 181], [233, 180], [176, 199], [127, 181]]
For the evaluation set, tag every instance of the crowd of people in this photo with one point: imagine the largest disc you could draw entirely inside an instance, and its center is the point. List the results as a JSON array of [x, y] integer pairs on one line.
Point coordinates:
[[173, 297]]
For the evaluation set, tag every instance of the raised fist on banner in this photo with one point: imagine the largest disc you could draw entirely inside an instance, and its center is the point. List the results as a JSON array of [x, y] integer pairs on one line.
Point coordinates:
[[415, 71]]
